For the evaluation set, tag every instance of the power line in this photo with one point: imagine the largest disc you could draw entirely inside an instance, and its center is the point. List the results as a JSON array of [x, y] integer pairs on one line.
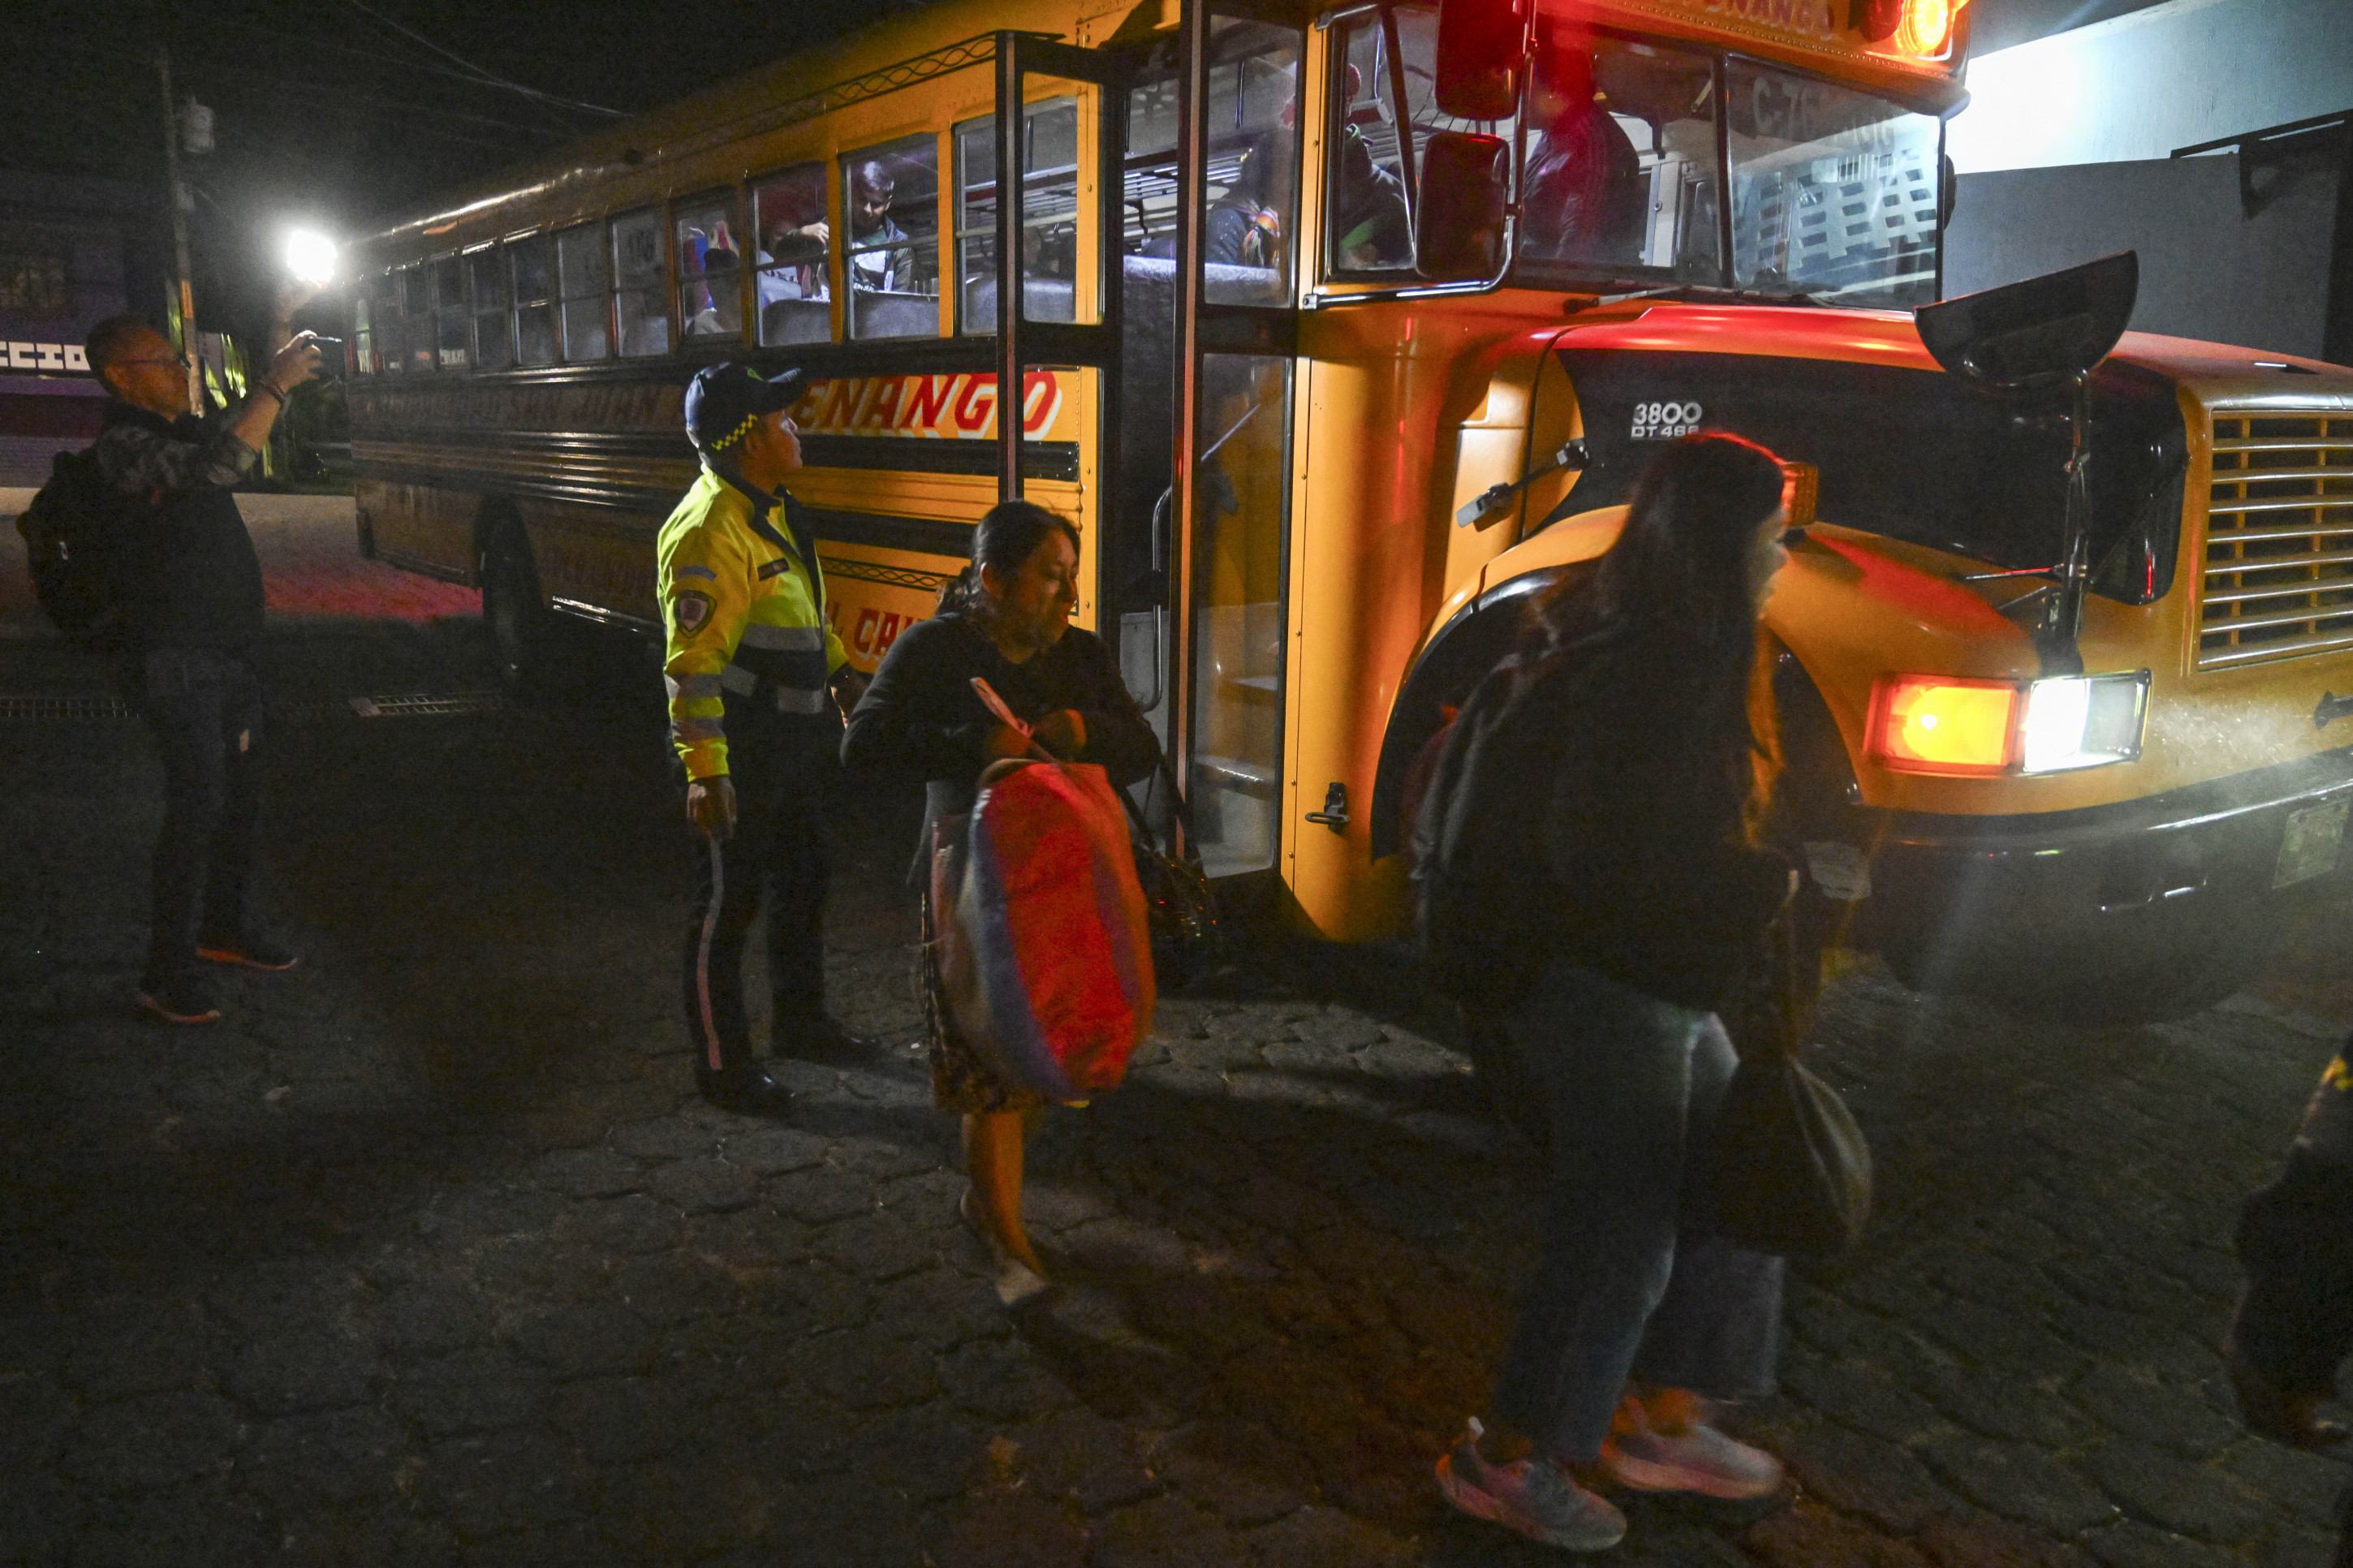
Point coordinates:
[[374, 57], [487, 78]]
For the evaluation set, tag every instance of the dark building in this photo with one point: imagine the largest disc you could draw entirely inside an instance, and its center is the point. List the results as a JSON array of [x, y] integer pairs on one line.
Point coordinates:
[[72, 252]]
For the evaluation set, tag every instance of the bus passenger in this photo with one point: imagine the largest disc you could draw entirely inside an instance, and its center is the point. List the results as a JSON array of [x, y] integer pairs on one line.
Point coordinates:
[[754, 675], [1584, 191], [1628, 1323], [885, 259], [1007, 620], [1372, 227], [1245, 229]]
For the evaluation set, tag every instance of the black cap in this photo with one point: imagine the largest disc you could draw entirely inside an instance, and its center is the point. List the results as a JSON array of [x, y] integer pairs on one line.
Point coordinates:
[[723, 400]]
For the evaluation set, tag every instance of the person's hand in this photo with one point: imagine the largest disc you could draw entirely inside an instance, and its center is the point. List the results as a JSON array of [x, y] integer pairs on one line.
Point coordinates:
[[1062, 733], [1006, 740], [817, 231], [847, 684], [297, 362], [711, 806]]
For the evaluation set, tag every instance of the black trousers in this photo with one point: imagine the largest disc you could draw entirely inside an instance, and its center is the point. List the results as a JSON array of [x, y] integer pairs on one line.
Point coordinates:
[[204, 709], [784, 767]]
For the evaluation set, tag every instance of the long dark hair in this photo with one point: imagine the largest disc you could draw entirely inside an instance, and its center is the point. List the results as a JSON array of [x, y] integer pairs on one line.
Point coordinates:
[[1672, 608], [1008, 533]]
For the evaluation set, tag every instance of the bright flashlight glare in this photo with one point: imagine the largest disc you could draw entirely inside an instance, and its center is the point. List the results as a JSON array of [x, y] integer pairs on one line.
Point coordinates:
[[311, 257]]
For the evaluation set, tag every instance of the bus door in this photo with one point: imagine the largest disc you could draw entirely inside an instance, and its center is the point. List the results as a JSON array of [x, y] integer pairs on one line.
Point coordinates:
[[1052, 298], [1220, 538]]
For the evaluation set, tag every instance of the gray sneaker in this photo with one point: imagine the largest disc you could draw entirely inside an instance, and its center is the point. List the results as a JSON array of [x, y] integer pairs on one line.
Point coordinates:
[[1699, 1459], [1533, 1497]]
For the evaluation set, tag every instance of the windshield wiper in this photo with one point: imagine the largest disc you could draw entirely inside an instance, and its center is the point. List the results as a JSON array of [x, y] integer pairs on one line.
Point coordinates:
[[1707, 293]]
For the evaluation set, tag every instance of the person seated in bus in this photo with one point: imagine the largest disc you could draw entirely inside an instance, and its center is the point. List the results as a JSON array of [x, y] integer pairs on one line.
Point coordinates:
[[883, 258], [719, 297], [1372, 230], [1245, 229], [1007, 620], [1584, 192]]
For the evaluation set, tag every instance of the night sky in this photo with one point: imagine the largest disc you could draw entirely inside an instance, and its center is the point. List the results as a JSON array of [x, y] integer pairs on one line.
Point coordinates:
[[326, 110]]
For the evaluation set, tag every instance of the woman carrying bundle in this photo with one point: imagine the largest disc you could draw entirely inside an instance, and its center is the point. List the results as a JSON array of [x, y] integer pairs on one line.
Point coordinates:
[[1007, 621]]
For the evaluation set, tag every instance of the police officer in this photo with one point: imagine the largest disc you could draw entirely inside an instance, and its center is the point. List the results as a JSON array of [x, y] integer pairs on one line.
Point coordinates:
[[2294, 1321], [756, 680]]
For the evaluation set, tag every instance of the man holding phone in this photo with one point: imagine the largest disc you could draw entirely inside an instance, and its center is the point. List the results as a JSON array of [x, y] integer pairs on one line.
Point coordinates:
[[187, 586]]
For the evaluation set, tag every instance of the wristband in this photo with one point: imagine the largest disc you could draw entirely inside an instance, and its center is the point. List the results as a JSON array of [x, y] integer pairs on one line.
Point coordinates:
[[274, 392]]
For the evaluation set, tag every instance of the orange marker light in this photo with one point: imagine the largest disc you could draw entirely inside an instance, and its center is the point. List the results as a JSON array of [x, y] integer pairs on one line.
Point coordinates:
[[1941, 724], [1927, 28]]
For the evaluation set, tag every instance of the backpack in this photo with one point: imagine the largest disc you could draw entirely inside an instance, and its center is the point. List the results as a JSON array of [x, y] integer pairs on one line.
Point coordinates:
[[68, 530], [1483, 890]]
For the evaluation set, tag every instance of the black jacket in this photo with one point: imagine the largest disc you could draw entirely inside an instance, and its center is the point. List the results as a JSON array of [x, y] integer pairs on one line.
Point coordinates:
[[182, 565], [1656, 881], [921, 718]]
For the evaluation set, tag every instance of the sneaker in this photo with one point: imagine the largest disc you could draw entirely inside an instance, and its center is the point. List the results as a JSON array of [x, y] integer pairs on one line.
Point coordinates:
[[248, 952], [180, 999], [1532, 1497], [1699, 1459]]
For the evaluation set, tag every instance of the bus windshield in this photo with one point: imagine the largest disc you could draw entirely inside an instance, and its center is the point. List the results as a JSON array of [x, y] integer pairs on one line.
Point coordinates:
[[1834, 192]]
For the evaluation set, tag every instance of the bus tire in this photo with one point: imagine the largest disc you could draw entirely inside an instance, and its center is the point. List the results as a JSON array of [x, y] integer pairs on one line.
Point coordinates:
[[515, 612]]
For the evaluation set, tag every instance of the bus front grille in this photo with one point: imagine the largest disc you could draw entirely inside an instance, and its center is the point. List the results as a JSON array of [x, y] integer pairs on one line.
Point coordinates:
[[2276, 581]]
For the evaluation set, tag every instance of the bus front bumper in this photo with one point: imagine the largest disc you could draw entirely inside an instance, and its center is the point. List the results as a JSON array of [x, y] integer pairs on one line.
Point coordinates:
[[2057, 884]]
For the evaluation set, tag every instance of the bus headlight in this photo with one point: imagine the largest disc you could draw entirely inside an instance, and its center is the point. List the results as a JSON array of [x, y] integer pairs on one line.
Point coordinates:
[[1958, 725], [2082, 721]]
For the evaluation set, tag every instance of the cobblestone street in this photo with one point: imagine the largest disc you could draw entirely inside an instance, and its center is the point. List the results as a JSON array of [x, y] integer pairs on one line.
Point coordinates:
[[429, 1253]]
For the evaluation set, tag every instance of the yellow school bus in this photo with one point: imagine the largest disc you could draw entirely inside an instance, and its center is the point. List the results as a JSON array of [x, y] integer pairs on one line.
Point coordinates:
[[1339, 334]]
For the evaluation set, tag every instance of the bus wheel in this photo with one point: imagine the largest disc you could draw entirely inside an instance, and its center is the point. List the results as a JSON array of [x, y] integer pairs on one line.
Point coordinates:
[[515, 612]]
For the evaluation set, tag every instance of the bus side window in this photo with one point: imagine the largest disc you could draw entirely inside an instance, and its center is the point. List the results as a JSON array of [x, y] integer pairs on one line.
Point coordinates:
[[710, 268], [1049, 216], [791, 286], [493, 322], [587, 293], [1254, 163], [640, 284], [1368, 227], [891, 197], [417, 314], [534, 295], [452, 329]]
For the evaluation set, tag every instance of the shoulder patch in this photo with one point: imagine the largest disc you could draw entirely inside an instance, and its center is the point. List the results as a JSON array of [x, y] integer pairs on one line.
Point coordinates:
[[691, 611], [775, 568], [705, 573]]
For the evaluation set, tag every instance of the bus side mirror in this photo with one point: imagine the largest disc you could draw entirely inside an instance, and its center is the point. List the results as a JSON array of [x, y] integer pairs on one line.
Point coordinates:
[[1458, 227], [1483, 51]]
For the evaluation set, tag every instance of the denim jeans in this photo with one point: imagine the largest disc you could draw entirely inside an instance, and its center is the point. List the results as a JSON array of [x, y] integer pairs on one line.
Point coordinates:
[[204, 709], [1622, 1287]]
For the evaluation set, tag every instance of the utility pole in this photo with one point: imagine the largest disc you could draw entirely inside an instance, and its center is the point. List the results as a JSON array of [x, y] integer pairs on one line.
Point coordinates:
[[176, 194]]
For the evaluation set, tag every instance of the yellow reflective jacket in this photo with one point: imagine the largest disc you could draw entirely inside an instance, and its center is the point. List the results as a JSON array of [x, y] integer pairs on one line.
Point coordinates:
[[742, 605]]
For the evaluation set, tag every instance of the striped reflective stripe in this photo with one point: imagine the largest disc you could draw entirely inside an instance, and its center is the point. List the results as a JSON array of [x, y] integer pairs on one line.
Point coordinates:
[[790, 700], [690, 730], [711, 1051], [691, 688], [794, 639], [737, 678]]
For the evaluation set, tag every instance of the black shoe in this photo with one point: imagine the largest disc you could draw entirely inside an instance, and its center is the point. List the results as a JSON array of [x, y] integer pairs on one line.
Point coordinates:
[[180, 999], [814, 1038], [746, 1090], [248, 952]]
